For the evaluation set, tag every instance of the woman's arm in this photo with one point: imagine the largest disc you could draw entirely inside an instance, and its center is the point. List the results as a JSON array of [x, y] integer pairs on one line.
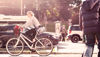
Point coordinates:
[[26, 24]]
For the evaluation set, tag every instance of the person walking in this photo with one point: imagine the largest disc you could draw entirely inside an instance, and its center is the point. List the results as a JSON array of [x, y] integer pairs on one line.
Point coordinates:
[[63, 32], [88, 20]]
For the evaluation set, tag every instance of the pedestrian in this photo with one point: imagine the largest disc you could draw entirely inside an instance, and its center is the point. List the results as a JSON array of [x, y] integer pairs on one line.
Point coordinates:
[[63, 32], [88, 20]]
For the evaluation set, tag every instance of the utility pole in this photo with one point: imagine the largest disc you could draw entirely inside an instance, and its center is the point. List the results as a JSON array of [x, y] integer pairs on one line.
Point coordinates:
[[24, 9], [37, 6], [21, 7]]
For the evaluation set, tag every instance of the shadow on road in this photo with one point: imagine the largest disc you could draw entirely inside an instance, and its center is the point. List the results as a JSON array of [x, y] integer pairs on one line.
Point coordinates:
[[16, 56], [31, 56], [42, 56]]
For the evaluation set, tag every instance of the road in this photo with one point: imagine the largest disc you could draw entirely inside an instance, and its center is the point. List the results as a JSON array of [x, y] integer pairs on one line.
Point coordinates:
[[63, 49], [69, 48], [52, 55]]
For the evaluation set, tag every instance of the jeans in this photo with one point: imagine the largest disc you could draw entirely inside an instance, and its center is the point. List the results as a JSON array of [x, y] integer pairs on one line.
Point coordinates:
[[90, 40]]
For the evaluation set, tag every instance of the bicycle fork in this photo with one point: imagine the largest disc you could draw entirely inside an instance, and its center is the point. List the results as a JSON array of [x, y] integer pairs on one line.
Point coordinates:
[[17, 42]]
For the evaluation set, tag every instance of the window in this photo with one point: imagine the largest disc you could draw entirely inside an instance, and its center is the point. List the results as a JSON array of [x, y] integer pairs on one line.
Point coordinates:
[[75, 28]]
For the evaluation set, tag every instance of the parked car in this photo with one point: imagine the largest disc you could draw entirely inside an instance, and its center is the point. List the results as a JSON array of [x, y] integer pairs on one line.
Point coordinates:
[[75, 34], [6, 32], [52, 36]]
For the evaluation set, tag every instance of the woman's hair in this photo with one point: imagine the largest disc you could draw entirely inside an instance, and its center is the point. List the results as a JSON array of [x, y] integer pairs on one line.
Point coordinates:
[[30, 12]]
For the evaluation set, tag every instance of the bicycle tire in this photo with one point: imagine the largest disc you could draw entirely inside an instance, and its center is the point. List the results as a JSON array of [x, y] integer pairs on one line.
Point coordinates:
[[48, 45], [14, 51]]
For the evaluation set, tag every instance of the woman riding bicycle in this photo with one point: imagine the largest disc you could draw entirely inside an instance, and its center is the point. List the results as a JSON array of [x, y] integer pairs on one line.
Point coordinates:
[[29, 28]]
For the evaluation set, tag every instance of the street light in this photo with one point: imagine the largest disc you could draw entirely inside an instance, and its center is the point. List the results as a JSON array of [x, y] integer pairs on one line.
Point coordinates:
[[37, 6], [24, 9]]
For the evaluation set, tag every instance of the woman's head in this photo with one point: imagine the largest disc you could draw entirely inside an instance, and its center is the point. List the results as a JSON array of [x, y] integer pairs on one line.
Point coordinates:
[[30, 14]]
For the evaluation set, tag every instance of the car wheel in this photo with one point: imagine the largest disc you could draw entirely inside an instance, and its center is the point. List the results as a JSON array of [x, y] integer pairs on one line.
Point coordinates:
[[1, 43], [75, 39]]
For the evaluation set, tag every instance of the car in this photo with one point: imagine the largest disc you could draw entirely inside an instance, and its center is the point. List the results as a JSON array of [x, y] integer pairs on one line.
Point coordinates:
[[55, 38], [6, 32], [75, 34]]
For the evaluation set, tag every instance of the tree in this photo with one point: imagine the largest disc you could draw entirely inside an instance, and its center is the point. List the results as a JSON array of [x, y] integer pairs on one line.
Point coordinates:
[[59, 9], [66, 11], [75, 11]]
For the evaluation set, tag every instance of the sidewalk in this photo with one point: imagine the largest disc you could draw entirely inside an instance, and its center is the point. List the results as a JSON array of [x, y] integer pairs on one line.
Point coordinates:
[[51, 55], [71, 48], [63, 48]]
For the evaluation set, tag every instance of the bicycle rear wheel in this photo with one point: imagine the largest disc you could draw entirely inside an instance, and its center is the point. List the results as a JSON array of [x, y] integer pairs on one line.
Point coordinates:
[[14, 47], [44, 47]]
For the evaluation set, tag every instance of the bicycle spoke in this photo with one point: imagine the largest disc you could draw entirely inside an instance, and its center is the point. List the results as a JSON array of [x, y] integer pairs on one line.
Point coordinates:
[[45, 48], [14, 49]]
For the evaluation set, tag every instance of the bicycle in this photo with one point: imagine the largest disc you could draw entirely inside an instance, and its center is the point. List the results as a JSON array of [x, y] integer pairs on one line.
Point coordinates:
[[43, 46]]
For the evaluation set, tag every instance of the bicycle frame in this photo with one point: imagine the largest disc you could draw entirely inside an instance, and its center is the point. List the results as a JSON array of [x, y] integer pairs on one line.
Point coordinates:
[[24, 38], [43, 46]]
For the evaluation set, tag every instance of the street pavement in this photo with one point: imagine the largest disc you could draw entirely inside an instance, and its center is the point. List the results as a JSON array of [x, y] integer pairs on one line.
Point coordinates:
[[52, 55], [72, 48], [63, 49]]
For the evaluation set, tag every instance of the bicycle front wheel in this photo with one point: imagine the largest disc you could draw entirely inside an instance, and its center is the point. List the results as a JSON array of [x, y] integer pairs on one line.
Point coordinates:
[[14, 47], [44, 47]]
